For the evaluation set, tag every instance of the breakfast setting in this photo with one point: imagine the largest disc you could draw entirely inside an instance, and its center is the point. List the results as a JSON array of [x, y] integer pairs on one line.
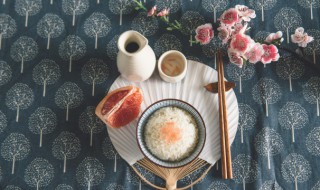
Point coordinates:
[[159, 94]]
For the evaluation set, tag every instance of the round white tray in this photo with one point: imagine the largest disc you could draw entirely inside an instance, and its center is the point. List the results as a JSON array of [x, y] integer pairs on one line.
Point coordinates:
[[190, 90]]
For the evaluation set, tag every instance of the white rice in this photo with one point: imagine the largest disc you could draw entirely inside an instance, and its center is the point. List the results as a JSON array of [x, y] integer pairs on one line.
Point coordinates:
[[171, 151]]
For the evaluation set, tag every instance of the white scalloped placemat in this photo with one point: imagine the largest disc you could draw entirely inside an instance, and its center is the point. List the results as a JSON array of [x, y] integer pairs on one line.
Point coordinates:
[[190, 90]]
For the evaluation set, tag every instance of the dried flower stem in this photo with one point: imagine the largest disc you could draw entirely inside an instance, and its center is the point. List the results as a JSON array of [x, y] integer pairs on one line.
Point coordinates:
[[300, 57], [176, 25]]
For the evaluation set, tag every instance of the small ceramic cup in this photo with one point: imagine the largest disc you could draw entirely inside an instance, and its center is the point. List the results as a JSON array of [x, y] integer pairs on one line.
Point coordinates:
[[172, 66]]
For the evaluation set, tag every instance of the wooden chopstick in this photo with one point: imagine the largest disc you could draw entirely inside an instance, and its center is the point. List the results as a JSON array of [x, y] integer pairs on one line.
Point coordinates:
[[221, 124], [225, 145]]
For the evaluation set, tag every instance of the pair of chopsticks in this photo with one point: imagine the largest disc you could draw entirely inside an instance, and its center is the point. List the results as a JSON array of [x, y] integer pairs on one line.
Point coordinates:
[[225, 146]]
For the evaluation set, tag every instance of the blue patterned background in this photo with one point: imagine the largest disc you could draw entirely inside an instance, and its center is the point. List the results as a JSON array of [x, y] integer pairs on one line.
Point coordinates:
[[43, 167]]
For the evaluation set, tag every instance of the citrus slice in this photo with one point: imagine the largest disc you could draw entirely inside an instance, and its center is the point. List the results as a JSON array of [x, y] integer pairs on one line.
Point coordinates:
[[121, 106]]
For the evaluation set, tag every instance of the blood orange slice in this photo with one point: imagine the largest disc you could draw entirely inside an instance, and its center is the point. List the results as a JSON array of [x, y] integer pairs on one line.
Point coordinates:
[[120, 107]]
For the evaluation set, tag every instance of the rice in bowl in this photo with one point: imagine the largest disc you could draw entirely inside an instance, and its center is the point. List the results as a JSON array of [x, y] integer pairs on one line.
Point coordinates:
[[171, 134]]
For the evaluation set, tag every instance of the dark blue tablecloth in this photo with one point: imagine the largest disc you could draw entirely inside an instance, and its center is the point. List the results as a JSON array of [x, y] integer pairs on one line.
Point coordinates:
[[42, 41]]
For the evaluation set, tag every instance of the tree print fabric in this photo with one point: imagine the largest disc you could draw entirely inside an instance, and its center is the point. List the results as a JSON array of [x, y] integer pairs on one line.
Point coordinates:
[[58, 59]]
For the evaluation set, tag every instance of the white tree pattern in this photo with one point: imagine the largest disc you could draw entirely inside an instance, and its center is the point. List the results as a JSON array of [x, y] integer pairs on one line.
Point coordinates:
[[262, 5], [7, 27], [72, 49], [19, 97], [211, 49], [112, 48], [27, 8], [268, 142], [317, 186], [50, 26], [213, 6], [313, 141], [134, 179], [94, 72], [68, 96], [45, 73], [5, 73], [89, 123], [63, 187], [311, 92], [245, 169], [266, 91], [310, 4], [167, 42], [287, 19], [14, 148], [110, 152], [75, 7], [0, 174], [190, 20], [240, 74], [293, 116], [247, 118], [295, 168], [313, 47], [24, 49], [121, 7], [114, 186], [218, 185], [42, 121], [65, 147], [172, 5], [97, 25], [260, 36], [12, 187], [90, 172], [289, 68], [147, 26], [3, 121], [193, 58], [39, 173], [189, 179], [270, 185]]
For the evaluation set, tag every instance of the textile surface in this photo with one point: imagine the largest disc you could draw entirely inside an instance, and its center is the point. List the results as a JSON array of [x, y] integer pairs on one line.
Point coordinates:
[[50, 50]]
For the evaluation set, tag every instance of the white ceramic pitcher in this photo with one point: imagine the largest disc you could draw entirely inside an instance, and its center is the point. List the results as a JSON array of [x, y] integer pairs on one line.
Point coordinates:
[[136, 60]]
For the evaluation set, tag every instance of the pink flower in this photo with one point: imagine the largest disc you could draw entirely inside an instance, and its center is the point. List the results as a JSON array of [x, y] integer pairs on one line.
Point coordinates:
[[255, 53], [241, 43], [306, 39], [235, 57], [230, 17], [298, 36], [270, 53], [224, 33], [245, 13], [204, 34], [238, 27], [152, 11], [274, 36], [164, 12], [301, 38]]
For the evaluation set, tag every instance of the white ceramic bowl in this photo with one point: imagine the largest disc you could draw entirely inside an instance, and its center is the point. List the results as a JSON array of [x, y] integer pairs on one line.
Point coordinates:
[[182, 105], [172, 66]]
